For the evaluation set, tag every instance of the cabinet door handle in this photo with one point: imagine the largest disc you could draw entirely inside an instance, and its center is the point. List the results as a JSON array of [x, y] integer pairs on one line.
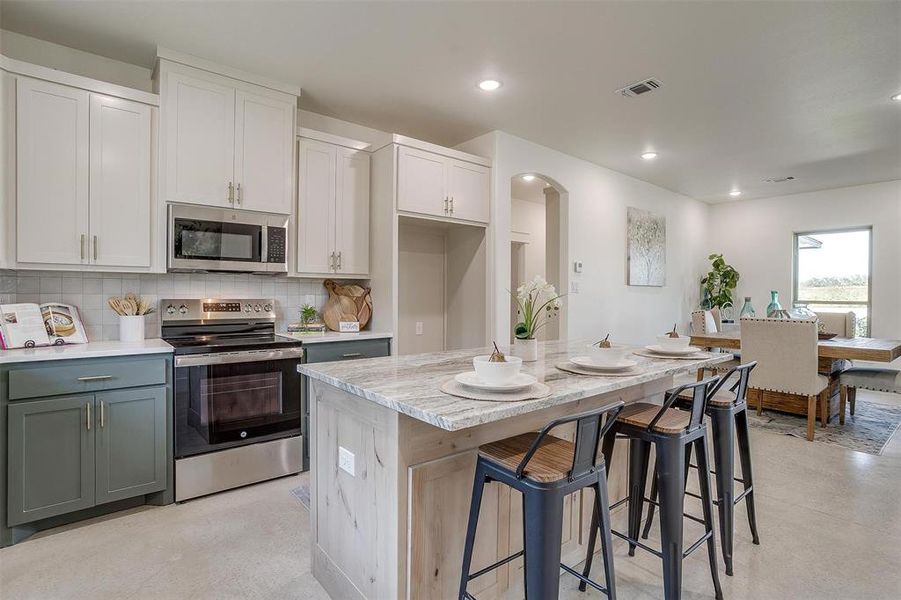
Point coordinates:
[[231, 193], [238, 195], [452, 205], [352, 355], [95, 247], [87, 420], [331, 261], [446, 203], [81, 246], [338, 268], [95, 377], [101, 414]]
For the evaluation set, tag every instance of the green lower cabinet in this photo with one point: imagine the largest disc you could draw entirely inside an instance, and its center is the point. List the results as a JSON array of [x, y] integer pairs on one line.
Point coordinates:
[[51, 457], [131, 443]]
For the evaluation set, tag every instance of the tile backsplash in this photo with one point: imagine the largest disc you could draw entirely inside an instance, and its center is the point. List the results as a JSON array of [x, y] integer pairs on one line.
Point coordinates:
[[89, 292]]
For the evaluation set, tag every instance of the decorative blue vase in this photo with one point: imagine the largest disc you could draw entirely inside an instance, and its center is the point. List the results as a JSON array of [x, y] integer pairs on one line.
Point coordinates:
[[773, 307], [747, 310]]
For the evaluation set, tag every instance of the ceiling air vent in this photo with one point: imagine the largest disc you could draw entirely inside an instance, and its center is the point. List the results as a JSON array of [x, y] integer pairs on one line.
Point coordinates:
[[640, 87], [778, 179]]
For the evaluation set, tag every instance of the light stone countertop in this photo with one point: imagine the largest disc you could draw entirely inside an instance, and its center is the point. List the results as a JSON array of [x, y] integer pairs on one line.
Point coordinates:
[[410, 384], [334, 336], [89, 350]]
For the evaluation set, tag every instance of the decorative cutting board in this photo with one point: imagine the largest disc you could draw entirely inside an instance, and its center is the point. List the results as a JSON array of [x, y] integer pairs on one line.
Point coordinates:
[[346, 303]]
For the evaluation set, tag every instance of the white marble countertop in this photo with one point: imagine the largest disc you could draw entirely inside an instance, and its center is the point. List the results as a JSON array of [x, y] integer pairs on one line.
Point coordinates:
[[89, 350], [410, 384], [334, 336]]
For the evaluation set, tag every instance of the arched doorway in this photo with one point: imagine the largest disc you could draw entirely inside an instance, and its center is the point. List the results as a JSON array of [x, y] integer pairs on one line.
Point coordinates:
[[538, 241]]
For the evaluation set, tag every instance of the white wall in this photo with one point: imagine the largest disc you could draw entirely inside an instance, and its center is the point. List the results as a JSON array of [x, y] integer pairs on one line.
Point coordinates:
[[756, 237], [529, 217], [595, 200]]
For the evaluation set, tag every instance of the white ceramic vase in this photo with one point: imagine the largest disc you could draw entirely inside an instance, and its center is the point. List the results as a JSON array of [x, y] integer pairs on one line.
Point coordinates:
[[527, 350], [131, 328]]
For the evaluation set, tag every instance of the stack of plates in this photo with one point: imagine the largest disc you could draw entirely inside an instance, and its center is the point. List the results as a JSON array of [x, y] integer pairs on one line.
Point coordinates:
[[519, 383], [585, 362], [658, 349]]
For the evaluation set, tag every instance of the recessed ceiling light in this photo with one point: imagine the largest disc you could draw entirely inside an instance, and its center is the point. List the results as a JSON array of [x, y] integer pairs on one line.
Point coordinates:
[[649, 155], [896, 97], [735, 193], [489, 85], [528, 177]]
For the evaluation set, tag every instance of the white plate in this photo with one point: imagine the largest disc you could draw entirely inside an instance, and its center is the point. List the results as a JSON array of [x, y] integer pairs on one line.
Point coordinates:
[[520, 382], [672, 351], [586, 363]]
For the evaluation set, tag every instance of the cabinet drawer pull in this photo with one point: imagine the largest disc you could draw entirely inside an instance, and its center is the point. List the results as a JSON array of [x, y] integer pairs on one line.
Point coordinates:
[[87, 421], [101, 414], [352, 355], [81, 246], [95, 377], [95, 247]]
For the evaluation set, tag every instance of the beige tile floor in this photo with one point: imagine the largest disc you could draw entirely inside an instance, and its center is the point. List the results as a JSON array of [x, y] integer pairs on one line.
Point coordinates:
[[830, 526]]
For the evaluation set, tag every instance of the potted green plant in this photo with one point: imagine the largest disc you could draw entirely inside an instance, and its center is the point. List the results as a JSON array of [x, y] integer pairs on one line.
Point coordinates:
[[719, 284], [537, 302], [309, 319]]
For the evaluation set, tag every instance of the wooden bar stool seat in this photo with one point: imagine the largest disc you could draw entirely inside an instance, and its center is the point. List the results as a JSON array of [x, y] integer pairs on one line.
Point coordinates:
[[721, 398], [551, 462], [641, 414]]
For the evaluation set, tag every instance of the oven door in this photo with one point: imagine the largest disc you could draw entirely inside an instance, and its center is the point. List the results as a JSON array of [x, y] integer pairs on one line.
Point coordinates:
[[225, 400]]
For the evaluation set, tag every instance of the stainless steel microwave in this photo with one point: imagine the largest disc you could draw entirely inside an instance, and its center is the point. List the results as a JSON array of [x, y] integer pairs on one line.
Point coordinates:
[[203, 238]]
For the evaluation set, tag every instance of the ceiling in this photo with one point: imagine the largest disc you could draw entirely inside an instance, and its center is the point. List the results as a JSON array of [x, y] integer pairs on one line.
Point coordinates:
[[751, 90]]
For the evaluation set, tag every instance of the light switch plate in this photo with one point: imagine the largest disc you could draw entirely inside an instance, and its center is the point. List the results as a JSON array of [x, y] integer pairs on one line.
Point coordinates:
[[346, 460], [577, 266]]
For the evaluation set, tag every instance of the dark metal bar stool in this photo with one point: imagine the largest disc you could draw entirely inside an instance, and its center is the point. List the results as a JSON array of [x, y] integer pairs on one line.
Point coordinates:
[[673, 433], [728, 412], [545, 469]]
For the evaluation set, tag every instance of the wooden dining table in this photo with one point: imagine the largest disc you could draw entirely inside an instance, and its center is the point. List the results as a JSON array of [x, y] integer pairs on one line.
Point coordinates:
[[838, 348], [832, 356]]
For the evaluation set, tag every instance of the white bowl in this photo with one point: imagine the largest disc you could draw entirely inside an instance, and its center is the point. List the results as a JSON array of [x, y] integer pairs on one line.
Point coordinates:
[[606, 357], [680, 343], [496, 373]]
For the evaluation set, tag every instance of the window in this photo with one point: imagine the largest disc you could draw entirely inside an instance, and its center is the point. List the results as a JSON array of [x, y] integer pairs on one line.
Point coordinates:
[[832, 272]]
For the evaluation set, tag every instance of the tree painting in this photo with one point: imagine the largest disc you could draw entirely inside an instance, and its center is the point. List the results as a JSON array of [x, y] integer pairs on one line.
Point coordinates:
[[646, 239]]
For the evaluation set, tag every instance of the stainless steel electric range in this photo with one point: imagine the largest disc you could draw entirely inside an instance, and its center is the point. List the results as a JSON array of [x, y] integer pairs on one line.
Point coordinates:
[[238, 395]]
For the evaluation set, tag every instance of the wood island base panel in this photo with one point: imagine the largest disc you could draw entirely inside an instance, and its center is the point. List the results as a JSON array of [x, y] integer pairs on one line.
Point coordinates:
[[390, 492]]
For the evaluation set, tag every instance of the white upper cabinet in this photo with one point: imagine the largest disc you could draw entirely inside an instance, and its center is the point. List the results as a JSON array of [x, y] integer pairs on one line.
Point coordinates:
[[199, 117], [229, 143], [421, 182], [120, 182], [316, 179], [264, 153], [83, 163], [441, 186], [352, 212], [333, 210], [52, 173], [469, 190]]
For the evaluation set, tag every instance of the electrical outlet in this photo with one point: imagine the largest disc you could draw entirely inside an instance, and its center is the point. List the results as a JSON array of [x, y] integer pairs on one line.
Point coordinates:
[[573, 287], [346, 460], [418, 327]]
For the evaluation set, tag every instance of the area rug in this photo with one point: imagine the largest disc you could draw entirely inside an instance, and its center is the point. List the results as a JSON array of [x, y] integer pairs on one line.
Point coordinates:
[[869, 430]]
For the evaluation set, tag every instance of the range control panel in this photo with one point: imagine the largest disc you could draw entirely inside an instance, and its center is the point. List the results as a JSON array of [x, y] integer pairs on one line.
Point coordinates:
[[212, 309]]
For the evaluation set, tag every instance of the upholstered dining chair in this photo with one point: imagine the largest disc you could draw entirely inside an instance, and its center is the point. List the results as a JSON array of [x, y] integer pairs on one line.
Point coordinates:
[[843, 323], [868, 378], [786, 354]]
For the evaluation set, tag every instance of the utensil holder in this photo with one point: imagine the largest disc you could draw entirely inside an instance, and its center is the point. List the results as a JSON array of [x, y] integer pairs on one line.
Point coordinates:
[[131, 328]]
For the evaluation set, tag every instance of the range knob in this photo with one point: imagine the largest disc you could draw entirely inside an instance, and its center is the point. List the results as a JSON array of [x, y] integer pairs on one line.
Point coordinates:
[[257, 308], [247, 308], [267, 308], [170, 310], [183, 309]]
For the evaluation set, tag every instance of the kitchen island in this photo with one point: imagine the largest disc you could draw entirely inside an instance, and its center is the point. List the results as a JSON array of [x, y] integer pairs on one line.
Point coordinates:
[[392, 461]]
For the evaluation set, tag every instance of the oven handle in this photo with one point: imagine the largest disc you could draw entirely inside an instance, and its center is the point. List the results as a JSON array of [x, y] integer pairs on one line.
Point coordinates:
[[223, 358]]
